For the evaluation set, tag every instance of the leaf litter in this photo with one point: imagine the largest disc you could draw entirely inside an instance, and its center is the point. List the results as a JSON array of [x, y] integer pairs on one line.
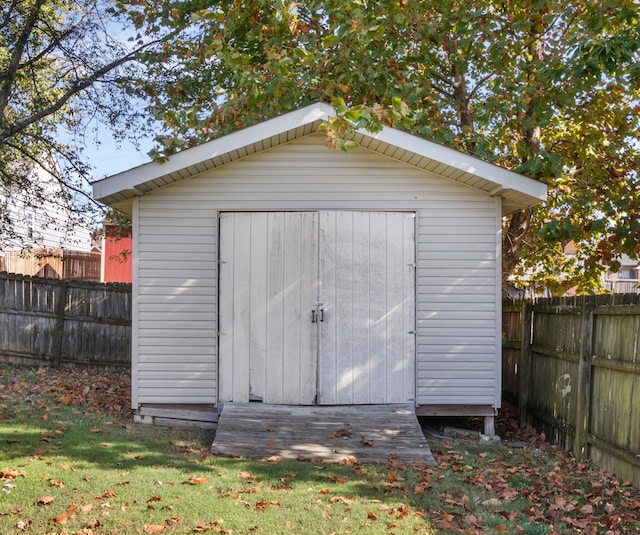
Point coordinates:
[[534, 488]]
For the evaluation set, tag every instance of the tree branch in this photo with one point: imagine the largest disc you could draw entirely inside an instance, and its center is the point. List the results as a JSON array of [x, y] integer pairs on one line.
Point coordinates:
[[8, 77], [78, 86]]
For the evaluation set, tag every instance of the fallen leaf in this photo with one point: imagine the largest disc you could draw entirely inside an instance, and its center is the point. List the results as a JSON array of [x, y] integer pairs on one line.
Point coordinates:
[[246, 475], [56, 483], [66, 400], [340, 433], [197, 480], [342, 499], [274, 459], [7, 473], [46, 500], [154, 528], [366, 441], [86, 507], [63, 518], [372, 516], [586, 510], [421, 487]]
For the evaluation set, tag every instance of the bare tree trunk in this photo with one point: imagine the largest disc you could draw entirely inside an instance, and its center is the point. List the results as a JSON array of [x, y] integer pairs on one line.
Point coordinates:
[[514, 237], [517, 228]]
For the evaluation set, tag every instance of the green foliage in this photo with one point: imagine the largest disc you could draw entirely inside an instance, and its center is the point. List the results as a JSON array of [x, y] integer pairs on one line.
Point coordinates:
[[547, 88]]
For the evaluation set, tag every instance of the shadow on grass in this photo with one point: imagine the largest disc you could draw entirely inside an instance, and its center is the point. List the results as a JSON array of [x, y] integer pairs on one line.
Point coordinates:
[[70, 436]]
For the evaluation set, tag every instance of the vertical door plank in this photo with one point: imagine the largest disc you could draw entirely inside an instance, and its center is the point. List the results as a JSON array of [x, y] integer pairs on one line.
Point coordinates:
[[361, 318], [327, 363], [308, 354], [275, 263], [299, 294], [259, 307], [225, 310], [401, 307], [291, 308], [235, 305], [409, 306], [382, 304]]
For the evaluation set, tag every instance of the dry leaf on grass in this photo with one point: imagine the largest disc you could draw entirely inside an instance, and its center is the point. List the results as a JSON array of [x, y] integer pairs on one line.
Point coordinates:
[[63, 518], [193, 480], [154, 528], [340, 433]]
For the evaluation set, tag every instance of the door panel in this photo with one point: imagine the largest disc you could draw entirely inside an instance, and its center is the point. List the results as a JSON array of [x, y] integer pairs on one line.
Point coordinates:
[[354, 270], [268, 281], [367, 346]]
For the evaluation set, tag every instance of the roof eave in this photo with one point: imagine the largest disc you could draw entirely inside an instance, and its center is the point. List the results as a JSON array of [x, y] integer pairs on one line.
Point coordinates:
[[516, 190]]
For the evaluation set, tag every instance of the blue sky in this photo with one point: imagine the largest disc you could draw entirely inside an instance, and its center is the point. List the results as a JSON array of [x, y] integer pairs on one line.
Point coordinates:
[[109, 158]]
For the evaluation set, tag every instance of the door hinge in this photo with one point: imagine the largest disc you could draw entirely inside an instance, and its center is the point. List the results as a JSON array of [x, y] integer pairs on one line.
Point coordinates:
[[411, 332], [412, 265]]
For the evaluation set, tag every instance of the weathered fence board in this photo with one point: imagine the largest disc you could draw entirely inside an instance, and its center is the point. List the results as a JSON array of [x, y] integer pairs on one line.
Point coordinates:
[[582, 359], [65, 322]]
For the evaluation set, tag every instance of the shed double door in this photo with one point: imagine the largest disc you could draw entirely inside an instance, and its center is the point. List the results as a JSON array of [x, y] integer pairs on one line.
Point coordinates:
[[317, 307]]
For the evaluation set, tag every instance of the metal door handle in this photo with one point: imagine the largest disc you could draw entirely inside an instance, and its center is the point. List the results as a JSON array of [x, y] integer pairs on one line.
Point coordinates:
[[322, 314], [313, 316]]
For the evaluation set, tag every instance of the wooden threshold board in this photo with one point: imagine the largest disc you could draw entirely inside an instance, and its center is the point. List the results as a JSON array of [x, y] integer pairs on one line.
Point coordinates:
[[344, 433]]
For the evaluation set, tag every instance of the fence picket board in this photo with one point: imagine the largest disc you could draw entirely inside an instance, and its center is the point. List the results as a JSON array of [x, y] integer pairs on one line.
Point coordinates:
[[64, 322], [525, 362], [584, 358], [583, 395]]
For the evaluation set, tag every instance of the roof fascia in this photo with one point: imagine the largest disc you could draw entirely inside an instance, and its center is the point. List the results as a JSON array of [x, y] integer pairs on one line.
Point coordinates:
[[128, 180], [502, 178]]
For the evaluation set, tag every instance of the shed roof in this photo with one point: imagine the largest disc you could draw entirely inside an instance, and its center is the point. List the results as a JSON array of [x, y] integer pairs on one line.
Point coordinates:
[[517, 191]]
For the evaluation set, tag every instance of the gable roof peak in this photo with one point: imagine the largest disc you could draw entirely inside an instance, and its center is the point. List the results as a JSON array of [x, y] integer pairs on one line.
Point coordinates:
[[517, 190]]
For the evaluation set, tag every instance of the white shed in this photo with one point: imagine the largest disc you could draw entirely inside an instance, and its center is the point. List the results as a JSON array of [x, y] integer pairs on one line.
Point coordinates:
[[270, 268]]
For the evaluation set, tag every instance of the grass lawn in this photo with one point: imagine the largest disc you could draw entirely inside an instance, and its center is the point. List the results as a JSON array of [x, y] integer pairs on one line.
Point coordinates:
[[72, 462]]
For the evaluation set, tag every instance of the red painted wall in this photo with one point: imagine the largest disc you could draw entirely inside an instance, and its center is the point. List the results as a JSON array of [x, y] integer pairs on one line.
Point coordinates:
[[116, 255]]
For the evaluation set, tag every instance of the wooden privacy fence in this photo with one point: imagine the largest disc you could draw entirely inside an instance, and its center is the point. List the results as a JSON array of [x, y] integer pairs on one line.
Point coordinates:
[[53, 264], [65, 322], [573, 365]]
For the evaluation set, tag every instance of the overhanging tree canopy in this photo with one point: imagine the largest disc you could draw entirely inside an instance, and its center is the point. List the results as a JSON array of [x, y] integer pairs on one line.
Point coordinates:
[[63, 64], [547, 88]]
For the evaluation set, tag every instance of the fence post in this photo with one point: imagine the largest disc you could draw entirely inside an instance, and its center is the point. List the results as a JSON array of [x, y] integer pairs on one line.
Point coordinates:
[[583, 396], [59, 339], [525, 362]]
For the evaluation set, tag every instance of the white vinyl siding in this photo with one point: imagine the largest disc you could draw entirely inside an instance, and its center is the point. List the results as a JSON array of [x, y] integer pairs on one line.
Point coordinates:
[[457, 310], [457, 317], [176, 305]]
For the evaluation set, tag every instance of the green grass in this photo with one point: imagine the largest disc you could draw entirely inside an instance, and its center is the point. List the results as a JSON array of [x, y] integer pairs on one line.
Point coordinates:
[[80, 469]]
